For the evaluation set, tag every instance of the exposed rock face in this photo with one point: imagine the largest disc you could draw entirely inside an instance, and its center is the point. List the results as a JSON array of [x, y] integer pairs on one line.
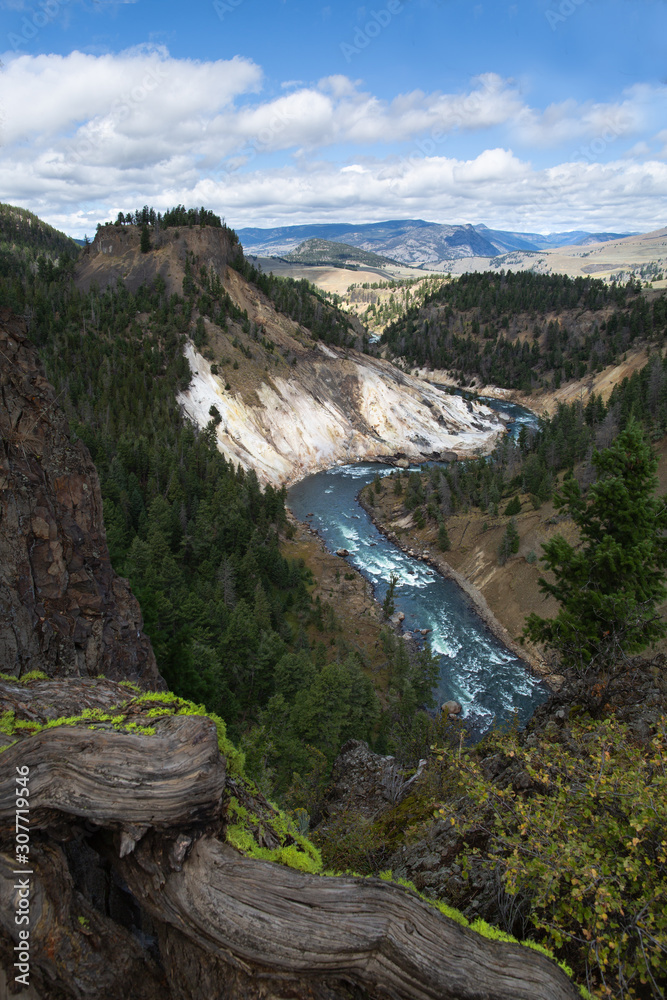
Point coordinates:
[[361, 781], [63, 610], [330, 407], [338, 407], [115, 254]]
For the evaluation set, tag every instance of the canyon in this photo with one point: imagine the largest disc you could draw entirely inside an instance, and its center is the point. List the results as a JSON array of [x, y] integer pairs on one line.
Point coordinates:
[[298, 405]]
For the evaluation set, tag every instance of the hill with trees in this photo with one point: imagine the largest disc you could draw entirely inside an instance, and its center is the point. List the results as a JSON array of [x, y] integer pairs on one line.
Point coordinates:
[[526, 331], [554, 836], [316, 251], [230, 619]]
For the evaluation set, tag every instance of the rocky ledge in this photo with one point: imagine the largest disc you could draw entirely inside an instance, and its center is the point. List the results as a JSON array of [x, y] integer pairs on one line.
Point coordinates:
[[63, 610]]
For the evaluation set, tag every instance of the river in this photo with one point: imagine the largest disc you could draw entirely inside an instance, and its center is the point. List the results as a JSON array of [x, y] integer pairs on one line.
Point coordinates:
[[476, 669]]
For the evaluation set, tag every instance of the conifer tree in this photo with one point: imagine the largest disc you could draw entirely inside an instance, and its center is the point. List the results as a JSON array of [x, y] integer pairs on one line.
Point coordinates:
[[609, 584], [444, 542], [145, 239]]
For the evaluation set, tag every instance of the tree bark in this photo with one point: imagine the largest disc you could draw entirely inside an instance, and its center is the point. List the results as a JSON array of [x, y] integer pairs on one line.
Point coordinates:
[[153, 806], [367, 930]]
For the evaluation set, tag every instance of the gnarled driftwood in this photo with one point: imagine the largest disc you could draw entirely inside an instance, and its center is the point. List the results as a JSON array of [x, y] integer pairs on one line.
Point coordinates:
[[143, 802]]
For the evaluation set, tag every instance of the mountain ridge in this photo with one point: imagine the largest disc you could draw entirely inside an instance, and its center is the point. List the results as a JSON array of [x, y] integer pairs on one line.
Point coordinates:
[[414, 242]]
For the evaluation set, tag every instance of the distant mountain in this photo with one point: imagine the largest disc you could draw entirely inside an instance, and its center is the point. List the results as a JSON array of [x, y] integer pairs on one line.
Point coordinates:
[[414, 241], [318, 251]]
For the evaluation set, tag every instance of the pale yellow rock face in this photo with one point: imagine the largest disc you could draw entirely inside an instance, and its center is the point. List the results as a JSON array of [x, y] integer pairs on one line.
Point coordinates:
[[338, 407]]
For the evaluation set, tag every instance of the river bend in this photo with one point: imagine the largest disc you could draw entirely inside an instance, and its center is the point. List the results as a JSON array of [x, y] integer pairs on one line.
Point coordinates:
[[476, 669]]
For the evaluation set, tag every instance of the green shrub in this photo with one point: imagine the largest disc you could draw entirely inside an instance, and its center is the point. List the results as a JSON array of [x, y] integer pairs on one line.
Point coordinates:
[[588, 847]]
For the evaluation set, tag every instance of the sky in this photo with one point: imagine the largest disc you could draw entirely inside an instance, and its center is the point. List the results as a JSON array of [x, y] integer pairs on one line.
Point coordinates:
[[533, 116]]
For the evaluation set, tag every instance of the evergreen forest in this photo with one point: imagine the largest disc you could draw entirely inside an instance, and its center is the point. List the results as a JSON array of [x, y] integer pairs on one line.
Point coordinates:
[[520, 330], [230, 619], [563, 828]]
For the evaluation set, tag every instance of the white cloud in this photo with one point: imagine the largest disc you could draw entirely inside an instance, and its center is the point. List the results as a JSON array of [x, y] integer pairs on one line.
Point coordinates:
[[573, 121], [85, 136], [495, 187]]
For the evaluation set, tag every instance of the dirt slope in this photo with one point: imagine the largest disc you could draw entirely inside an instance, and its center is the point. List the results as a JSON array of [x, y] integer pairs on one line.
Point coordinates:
[[287, 404]]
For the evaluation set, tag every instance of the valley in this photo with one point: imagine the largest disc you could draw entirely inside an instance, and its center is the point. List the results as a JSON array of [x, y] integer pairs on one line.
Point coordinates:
[[189, 390], [415, 245], [285, 404]]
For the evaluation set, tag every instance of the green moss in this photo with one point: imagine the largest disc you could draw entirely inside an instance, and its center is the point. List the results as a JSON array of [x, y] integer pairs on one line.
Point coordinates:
[[33, 675], [27, 724], [134, 727], [481, 927], [236, 809], [171, 705], [493, 933], [291, 856], [131, 686], [241, 838], [180, 706], [7, 723], [294, 850], [165, 697]]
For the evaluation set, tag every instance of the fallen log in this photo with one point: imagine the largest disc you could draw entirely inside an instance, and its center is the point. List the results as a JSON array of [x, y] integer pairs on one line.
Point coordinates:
[[377, 934], [149, 811]]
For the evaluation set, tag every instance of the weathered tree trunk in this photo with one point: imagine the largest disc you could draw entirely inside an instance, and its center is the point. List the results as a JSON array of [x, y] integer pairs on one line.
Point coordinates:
[[367, 930], [149, 811]]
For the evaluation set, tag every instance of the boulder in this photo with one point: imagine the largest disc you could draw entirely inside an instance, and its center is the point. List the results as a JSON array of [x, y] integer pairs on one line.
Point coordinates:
[[452, 708]]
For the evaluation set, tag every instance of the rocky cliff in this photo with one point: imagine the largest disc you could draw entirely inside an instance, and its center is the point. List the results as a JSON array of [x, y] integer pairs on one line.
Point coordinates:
[[338, 407], [288, 403], [63, 610]]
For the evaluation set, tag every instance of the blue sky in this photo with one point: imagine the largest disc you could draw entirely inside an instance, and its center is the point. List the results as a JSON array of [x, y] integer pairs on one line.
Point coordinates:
[[538, 115]]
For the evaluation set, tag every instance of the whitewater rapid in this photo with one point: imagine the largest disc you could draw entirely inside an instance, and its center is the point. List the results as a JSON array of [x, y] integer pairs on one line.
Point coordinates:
[[476, 669]]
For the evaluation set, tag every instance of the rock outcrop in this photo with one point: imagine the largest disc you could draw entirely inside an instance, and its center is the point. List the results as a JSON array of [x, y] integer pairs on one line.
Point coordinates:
[[298, 405], [63, 609], [338, 407]]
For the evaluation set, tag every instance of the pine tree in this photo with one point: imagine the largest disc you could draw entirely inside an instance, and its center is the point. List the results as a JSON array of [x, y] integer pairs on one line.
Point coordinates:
[[145, 239], [388, 605], [444, 542], [510, 543], [609, 584], [513, 507]]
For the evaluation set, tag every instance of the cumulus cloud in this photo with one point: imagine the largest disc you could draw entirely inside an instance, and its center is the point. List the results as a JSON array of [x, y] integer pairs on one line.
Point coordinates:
[[496, 187], [87, 135]]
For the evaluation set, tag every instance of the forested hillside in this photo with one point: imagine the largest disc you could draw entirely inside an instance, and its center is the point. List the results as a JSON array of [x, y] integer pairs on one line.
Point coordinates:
[[553, 836], [24, 233], [531, 465], [230, 619], [526, 331]]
